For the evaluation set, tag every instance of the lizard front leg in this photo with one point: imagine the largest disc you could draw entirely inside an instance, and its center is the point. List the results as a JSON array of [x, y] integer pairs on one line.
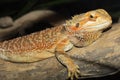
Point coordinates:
[[73, 69]]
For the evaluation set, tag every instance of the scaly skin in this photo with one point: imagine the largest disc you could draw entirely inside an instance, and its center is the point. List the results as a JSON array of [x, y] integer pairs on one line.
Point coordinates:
[[80, 31]]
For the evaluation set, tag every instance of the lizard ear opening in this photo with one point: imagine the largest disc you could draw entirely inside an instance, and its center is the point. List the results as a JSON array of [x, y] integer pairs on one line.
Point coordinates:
[[77, 25]]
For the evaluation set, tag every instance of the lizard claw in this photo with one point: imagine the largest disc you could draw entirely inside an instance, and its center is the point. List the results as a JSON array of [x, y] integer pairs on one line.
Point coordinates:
[[73, 72]]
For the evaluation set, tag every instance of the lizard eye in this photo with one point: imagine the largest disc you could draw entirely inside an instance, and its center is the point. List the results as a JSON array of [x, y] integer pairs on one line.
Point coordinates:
[[91, 16], [77, 25]]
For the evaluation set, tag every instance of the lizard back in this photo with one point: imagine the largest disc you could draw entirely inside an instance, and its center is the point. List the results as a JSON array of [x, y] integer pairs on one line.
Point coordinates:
[[40, 40]]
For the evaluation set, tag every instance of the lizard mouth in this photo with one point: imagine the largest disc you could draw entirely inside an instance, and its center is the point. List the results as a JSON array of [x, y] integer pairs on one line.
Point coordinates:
[[98, 27], [90, 27]]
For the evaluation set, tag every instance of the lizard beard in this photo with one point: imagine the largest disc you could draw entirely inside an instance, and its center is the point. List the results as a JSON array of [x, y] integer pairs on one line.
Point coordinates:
[[81, 39]]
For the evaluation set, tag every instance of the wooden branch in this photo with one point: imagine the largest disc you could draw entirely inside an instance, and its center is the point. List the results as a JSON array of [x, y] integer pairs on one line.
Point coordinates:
[[6, 22], [98, 59], [9, 27]]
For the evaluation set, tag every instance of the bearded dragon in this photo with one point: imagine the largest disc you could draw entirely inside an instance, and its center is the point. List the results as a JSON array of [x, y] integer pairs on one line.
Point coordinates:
[[79, 31]]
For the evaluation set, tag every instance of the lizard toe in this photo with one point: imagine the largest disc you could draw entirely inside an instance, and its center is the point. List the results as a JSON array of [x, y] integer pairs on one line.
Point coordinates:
[[73, 72]]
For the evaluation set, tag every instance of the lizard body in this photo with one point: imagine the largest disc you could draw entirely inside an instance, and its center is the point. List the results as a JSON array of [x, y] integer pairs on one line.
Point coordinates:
[[80, 31]]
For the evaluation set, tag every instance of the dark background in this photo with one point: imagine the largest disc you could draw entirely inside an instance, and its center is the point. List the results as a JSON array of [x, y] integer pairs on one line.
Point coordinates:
[[17, 8], [66, 8]]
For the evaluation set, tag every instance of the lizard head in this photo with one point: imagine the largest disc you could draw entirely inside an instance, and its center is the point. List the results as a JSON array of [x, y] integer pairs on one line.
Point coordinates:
[[95, 20], [85, 28]]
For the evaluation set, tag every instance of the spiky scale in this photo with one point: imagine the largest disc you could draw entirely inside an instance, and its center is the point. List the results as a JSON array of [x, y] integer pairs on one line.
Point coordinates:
[[39, 40]]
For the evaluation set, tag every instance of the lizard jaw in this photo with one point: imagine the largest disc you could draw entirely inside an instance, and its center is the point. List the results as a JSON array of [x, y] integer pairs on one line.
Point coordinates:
[[98, 27]]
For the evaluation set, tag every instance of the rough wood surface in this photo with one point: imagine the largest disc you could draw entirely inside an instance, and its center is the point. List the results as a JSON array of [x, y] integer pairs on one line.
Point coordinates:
[[98, 59]]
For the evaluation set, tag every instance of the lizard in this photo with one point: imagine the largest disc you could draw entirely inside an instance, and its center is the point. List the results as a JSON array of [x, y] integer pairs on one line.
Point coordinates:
[[82, 30]]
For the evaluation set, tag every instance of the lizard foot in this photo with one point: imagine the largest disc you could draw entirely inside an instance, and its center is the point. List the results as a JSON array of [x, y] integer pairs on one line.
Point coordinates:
[[73, 72]]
